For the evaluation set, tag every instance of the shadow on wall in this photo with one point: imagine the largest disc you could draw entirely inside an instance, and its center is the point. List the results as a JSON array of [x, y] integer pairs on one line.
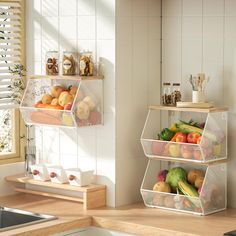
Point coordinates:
[[51, 151]]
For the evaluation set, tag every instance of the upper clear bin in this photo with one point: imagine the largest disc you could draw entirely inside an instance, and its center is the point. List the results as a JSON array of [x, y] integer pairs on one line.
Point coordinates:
[[204, 139], [68, 101]]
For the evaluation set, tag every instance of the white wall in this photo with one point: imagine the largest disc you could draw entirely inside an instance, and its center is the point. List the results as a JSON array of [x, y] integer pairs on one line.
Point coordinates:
[[6, 170], [77, 25], [200, 35], [137, 86]]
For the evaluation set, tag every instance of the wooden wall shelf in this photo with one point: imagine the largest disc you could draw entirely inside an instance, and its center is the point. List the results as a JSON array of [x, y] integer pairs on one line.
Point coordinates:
[[69, 77], [202, 110], [93, 196]]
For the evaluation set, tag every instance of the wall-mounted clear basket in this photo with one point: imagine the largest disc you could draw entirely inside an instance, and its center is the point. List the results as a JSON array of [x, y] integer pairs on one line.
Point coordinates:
[[81, 105]]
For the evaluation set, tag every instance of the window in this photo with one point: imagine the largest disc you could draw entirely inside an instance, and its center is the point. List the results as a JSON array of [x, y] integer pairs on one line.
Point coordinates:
[[12, 52]]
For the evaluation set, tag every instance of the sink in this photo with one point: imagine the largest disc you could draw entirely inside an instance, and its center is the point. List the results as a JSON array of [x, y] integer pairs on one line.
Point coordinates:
[[13, 218]]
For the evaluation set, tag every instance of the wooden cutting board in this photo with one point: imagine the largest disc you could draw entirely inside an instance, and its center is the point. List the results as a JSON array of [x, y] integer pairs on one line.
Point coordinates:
[[195, 105]]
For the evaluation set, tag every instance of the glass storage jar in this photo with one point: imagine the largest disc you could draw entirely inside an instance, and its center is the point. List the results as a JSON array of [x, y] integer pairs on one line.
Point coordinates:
[[86, 64], [52, 62], [69, 63], [166, 94], [176, 94]]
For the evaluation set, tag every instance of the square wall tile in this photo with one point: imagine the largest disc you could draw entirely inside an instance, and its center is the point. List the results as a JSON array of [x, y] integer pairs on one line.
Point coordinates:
[[50, 28], [49, 45], [87, 45], [192, 28], [34, 8], [50, 8], [213, 7], [86, 8], [36, 28], [68, 45], [106, 50], [35, 68], [67, 7], [37, 52], [67, 28], [105, 27], [86, 27], [172, 8], [106, 7], [192, 7]]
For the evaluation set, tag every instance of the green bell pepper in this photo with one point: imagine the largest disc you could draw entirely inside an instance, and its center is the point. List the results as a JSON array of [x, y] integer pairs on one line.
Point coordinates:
[[166, 134]]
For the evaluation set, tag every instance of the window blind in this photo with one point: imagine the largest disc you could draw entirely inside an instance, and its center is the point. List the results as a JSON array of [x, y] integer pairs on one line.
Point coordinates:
[[10, 49]]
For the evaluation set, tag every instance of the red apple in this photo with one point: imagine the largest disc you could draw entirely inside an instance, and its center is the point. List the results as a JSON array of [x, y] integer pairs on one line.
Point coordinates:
[[68, 106], [157, 148], [94, 118], [186, 151], [197, 154]]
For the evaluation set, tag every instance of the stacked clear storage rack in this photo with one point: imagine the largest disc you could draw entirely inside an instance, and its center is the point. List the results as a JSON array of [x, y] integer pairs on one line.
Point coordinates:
[[208, 157], [67, 101]]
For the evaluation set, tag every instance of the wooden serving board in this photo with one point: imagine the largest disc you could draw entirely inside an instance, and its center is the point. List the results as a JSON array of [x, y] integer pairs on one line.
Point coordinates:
[[195, 105]]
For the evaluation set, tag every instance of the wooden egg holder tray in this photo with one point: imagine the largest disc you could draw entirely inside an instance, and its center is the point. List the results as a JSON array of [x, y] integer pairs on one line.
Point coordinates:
[[93, 196]]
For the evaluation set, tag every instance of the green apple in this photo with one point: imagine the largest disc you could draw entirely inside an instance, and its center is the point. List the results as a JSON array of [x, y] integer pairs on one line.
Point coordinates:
[[174, 150]]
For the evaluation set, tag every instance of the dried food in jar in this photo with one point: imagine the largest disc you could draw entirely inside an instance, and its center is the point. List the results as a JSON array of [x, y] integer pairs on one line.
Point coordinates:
[[166, 94], [176, 94], [52, 63], [86, 64], [68, 64]]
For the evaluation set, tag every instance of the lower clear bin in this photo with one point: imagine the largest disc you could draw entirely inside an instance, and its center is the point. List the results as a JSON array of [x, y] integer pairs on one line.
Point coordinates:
[[211, 194]]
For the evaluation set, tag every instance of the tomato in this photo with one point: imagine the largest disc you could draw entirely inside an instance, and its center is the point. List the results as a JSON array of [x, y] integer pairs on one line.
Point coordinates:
[[181, 137], [192, 137]]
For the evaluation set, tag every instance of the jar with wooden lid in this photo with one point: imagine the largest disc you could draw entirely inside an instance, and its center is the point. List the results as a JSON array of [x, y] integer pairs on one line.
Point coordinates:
[[86, 63], [52, 63], [166, 94], [69, 63], [176, 94]]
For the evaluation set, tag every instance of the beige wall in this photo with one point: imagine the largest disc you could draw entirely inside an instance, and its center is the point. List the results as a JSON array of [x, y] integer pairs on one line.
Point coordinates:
[[200, 35], [137, 86]]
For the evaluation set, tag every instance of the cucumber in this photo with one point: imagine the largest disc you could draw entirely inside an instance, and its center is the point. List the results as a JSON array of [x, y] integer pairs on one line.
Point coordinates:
[[187, 189], [189, 128]]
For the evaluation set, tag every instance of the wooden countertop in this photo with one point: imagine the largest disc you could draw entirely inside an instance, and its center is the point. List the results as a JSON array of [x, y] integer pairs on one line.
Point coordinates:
[[136, 219]]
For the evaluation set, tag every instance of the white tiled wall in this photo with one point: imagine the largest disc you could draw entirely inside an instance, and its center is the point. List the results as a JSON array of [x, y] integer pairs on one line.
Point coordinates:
[[137, 86], [200, 36], [77, 25]]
